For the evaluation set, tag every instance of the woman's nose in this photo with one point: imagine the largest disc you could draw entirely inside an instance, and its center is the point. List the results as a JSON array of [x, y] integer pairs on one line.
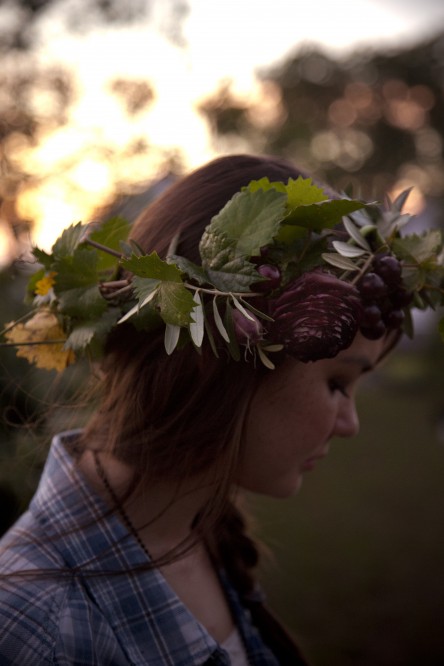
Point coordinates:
[[347, 421]]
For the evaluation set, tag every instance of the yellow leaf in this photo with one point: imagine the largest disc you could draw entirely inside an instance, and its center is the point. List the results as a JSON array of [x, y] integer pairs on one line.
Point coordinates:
[[41, 327]]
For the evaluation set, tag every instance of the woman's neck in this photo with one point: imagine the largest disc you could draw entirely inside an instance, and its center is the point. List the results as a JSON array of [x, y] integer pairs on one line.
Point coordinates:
[[162, 514]]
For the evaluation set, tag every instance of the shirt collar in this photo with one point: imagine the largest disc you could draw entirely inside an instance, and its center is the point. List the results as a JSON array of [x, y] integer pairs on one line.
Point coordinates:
[[91, 541]]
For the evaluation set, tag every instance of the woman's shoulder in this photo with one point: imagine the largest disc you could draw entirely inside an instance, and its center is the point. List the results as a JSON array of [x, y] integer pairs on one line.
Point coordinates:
[[46, 614]]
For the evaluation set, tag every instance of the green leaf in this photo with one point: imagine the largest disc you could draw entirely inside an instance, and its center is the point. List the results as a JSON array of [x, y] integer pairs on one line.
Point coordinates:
[[197, 328], [43, 257], [237, 276], [76, 270], [419, 248], [265, 184], [152, 266], [144, 288], [175, 303], [302, 192], [171, 338], [193, 271], [86, 332], [69, 240], [110, 234], [82, 303], [324, 215], [247, 222]]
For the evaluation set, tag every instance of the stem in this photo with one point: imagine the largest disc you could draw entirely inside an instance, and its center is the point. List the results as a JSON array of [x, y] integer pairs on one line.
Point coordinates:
[[99, 246], [22, 318], [114, 284], [362, 270], [216, 292], [120, 292], [29, 344]]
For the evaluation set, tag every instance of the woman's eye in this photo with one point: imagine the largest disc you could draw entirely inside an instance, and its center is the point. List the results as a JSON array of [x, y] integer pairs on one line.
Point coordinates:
[[337, 385]]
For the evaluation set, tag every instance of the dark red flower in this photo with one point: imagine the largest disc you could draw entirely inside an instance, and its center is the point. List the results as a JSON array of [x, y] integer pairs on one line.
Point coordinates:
[[316, 316]]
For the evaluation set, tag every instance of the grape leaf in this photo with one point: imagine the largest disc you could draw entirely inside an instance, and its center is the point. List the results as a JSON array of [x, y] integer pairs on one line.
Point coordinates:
[[419, 248], [193, 271], [84, 333], [43, 257], [323, 215], [76, 270], [175, 303], [69, 240], [265, 184], [82, 303], [152, 266], [236, 275], [302, 192], [247, 222]]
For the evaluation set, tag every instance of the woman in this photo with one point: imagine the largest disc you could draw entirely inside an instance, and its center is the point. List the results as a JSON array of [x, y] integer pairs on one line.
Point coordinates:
[[134, 549]]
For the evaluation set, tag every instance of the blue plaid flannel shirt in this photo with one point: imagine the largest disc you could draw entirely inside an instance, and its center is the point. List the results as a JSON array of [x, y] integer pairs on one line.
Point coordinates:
[[95, 620]]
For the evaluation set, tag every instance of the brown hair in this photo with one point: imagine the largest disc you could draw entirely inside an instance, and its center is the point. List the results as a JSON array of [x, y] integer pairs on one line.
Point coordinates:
[[172, 417]]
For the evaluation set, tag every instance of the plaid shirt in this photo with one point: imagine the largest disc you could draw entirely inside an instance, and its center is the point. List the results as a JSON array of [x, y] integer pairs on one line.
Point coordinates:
[[68, 617]]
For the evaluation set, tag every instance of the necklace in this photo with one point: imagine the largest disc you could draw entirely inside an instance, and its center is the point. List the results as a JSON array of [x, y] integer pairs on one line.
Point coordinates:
[[124, 516]]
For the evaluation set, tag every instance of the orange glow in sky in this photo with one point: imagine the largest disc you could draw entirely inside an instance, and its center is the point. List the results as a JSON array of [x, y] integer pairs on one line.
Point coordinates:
[[80, 166]]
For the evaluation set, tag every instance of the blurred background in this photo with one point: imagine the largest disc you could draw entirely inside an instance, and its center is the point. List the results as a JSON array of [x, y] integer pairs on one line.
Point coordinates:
[[102, 104]]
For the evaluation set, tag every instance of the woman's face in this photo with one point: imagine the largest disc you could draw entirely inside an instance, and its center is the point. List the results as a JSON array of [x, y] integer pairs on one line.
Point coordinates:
[[296, 411]]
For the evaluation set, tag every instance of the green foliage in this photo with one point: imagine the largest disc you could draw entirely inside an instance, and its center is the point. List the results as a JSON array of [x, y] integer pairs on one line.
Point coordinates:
[[292, 225], [249, 221]]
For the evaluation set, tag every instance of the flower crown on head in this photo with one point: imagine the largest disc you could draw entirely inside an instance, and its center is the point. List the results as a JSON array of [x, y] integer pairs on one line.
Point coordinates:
[[284, 267]]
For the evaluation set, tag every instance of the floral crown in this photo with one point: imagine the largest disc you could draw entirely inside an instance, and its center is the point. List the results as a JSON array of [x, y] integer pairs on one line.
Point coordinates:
[[284, 267]]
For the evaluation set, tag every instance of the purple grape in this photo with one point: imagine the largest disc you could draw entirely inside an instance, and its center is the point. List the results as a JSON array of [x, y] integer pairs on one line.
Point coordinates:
[[394, 318], [388, 268], [374, 332], [400, 298], [371, 315], [372, 286]]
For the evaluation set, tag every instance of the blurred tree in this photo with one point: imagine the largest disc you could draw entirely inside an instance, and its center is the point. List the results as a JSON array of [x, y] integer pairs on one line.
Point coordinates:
[[374, 119], [36, 99]]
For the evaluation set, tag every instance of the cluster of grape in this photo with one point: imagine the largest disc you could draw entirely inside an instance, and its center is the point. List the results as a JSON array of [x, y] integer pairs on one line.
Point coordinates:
[[383, 297]]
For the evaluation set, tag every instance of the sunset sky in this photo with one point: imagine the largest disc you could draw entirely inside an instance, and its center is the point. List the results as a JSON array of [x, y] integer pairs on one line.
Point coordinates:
[[223, 41]]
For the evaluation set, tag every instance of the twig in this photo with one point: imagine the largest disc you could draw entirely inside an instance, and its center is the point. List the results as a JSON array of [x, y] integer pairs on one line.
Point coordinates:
[[99, 246]]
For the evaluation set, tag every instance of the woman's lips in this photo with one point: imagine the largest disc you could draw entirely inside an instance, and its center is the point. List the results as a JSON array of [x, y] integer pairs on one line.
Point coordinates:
[[309, 464]]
